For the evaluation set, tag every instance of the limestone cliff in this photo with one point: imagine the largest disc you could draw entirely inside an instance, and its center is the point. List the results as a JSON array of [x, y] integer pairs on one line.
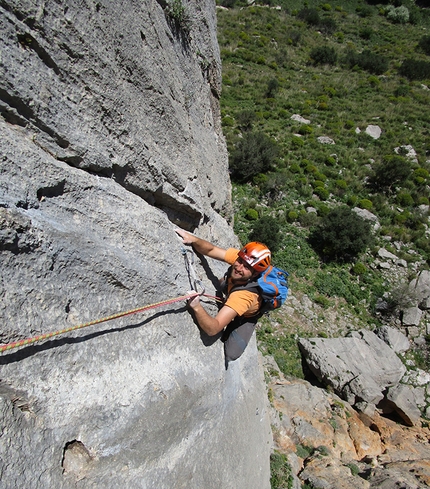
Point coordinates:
[[110, 136]]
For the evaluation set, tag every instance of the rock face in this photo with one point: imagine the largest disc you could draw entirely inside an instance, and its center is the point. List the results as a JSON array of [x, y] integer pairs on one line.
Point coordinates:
[[110, 136], [330, 445], [365, 370]]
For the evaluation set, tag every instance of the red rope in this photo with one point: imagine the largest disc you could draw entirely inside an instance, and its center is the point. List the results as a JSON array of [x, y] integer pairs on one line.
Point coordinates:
[[29, 341]]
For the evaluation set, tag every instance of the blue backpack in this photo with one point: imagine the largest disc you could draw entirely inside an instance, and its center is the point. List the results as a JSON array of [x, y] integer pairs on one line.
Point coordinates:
[[272, 285]]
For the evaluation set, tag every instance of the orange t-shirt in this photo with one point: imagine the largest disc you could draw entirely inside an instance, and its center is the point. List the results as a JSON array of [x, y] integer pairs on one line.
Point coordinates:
[[244, 302]]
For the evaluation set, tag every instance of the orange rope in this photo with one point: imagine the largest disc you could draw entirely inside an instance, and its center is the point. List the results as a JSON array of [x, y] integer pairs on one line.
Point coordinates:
[[29, 341]]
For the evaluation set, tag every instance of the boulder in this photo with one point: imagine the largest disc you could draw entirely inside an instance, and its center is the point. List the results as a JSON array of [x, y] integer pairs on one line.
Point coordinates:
[[412, 316], [401, 399], [373, 131], [325, 140], [359, 368], [368, 216], [420, 286], [394, 338]]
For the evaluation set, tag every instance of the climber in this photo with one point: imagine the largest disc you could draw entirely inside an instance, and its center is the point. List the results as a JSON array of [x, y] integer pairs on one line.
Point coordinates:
[[239, 315]]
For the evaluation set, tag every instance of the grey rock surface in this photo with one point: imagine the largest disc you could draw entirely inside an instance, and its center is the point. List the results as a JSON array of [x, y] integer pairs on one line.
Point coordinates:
[[394, 338], [412, 316], [359, 368], [110, 136], [420, 286]]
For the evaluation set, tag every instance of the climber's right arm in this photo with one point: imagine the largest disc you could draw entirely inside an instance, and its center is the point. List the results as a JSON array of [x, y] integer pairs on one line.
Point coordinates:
[[201, 245]]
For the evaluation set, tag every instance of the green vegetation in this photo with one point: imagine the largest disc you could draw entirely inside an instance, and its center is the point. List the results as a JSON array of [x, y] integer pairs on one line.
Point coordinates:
[[280, 470], [338, 68]]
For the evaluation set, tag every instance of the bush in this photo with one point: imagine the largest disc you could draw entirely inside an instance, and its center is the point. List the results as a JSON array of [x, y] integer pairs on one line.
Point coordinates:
[[415, 69], [398, 15], [255, 153], [359, 269], [322, 193], [280, 471], [393, 169], [327, 26], [371, 62], [310, 16], [292, 216], [246, 119], [272, 88], [365, 11], [251, 214], [266, 230], [323, 55], [365, 204], [405, 199], [341, 235], [424, 44]]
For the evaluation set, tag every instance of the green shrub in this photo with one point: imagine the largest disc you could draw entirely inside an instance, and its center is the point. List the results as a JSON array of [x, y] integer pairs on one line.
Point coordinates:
[[320, 176], [359, 269], [341, 184], [297, 142], [424, 44], [398, 15], [402, 91], [310, 16], [305, 129], [318, 183], [292, 216], [323, 55], [267, 230], [177, 13], [251, 214], [327, 25], [365, 204], [365, 11], [280, 471], [353, 468], [322, 193], [393, 170], [246, 119], [341, 235], [405, 199], [323, 301], [415, 69], [304, 451], [421, 173], [423, 200], [272, 88], [366, 33], [254, 153], [371, 62]]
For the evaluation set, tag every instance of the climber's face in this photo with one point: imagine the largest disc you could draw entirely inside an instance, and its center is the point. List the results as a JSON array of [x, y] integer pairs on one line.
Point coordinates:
[[241, 271]]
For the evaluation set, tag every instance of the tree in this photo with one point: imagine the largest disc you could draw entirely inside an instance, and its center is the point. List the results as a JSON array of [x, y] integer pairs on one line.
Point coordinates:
[[393, 170], [255, 153], [266, 230], [323, 55], [341, 235]]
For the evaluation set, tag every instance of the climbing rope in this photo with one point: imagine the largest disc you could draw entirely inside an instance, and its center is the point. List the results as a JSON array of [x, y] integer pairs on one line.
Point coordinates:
[[28, 341], [194, 282]]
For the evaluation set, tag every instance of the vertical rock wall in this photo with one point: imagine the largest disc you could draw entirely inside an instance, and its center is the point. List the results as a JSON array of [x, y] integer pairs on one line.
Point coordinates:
[[110, 136]]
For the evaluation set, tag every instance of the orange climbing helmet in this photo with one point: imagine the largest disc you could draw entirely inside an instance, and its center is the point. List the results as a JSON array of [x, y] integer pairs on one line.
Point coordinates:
[[257, 255]]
